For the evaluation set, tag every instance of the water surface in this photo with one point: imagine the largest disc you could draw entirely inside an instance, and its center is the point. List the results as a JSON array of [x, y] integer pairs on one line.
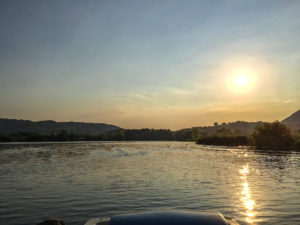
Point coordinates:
[[78, 181]]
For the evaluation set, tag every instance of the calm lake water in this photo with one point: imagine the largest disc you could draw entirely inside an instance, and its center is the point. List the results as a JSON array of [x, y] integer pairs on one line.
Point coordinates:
[[79, 181]]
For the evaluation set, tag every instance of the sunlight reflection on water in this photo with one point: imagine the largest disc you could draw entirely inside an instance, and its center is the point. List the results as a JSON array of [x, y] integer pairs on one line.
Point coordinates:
[[248, 202]]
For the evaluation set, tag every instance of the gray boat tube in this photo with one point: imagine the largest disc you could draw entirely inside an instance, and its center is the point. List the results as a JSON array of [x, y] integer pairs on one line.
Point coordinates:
[[166, 218]]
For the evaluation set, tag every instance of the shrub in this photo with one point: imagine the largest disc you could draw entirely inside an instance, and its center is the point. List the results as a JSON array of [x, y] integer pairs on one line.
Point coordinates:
[[224, 140], [297, 143], [274, 136]]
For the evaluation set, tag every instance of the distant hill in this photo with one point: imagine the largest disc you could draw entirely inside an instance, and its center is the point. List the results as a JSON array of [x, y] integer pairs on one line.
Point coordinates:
[[240, 127], [293, 121], [48, 126]]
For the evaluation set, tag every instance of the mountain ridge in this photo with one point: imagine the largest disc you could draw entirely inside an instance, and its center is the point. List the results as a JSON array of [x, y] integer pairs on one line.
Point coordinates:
[[49, 126], [293, 121]]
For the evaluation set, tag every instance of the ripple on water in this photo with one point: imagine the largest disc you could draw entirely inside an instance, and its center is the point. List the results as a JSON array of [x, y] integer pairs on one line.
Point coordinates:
[[77, 181]]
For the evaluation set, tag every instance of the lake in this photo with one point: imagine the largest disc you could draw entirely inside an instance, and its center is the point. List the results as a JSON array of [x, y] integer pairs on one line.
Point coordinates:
[[82, 180]]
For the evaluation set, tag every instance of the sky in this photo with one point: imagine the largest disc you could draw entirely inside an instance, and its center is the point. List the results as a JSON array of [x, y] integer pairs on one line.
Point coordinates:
[[154, 63]]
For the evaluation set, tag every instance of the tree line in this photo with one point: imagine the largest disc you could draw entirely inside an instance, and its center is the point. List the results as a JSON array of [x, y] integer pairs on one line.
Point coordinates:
[[116, 135], [273, 136], [265, 136]]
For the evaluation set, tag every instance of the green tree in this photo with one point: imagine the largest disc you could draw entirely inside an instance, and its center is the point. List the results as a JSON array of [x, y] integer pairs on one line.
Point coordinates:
[[105, 136], [273, 136], [119, 135]]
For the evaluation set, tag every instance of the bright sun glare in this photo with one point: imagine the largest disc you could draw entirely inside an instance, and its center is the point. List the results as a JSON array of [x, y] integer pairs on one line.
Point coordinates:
[[241, 81]]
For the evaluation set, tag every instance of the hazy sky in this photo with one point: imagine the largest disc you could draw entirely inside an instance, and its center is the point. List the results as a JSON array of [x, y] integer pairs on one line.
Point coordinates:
[[157, 64]]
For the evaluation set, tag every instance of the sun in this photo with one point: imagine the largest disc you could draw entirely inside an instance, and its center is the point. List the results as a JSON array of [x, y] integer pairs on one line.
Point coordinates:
[[241, 81]]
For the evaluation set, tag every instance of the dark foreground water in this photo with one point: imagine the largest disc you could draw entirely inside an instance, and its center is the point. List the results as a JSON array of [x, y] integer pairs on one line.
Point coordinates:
[[78, 181]]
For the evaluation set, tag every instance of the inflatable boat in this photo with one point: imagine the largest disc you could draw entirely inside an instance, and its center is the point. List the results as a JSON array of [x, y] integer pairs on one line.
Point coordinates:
[[165, 218]]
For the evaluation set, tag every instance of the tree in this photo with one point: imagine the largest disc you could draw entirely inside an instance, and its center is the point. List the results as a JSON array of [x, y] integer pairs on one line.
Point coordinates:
[[274, 136], [104, 136], [119, 135], [4, 137], [196, 133], [62, 135], [224, 140]]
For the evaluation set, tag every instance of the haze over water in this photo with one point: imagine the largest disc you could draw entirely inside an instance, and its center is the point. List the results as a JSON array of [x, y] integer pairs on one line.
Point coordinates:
[[78, 181]]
